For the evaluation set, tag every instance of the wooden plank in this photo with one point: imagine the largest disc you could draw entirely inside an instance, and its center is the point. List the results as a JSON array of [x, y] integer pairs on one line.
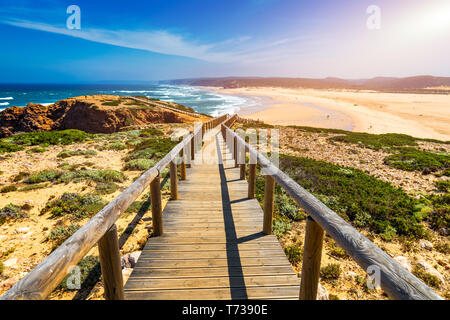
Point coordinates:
[[142, 272], [218, 254], [259, 293], [202, 263], [211, 282]]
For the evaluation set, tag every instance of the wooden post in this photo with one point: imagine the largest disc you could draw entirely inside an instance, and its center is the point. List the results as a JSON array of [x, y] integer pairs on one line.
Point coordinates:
[[312, 255], [235, 153], [155, 194], [251, 180], [108, 248], [242, 167], [182, 166], [268, 204], [173, 181], [193, 149]]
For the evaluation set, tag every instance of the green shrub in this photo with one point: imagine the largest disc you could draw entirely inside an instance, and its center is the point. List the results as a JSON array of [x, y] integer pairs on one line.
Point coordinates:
[[442, 247], [100, 176], [11, 212], [410, 159], [61, 234], [150, 132], [76, 206], [336, 251], [330, 272], [288, 208], [64, 137], [442, 185], [294, 254], [36, 150], [9, 147], [440, 218], [106, 188], [113, 103], [376, 141], [43, 176], [356, 196], [7, 189], [22, 175], [429, 279], [281, 226], [117, 146], [139, 164], [89, 271], [34, 187]]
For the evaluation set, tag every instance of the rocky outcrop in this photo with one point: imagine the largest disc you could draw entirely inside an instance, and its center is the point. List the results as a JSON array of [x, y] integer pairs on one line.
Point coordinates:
[[82, 113]]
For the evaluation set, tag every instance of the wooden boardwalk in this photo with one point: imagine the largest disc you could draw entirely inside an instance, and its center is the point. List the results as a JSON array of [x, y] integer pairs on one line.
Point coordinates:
[[213, 246]]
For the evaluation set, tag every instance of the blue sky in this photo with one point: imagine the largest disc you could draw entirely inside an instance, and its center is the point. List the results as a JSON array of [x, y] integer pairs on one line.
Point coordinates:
[[167, 39]]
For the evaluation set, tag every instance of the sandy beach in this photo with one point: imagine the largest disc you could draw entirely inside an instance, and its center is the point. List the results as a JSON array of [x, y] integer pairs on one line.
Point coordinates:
[[419, 115]]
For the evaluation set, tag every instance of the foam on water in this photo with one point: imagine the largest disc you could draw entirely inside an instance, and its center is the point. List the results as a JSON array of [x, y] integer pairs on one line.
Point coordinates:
[[201, 100]]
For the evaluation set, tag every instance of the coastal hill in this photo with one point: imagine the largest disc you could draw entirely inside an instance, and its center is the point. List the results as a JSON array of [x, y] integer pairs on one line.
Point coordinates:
[[93, 114], [428, 84]]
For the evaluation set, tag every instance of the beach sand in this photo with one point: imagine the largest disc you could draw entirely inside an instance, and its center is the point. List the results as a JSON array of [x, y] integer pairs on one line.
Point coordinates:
[[419, 115]]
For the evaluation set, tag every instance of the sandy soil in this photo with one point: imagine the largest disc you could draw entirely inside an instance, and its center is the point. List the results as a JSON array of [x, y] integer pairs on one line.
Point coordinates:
[[419, 115]]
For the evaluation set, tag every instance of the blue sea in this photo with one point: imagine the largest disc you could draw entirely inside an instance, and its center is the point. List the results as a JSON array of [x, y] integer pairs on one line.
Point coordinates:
[[201, 100]]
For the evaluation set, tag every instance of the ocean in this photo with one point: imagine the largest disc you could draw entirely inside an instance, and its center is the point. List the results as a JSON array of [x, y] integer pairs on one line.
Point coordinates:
[[201, 100]]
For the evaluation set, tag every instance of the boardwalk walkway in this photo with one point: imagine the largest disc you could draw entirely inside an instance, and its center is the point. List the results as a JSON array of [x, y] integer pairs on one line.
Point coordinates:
[[212, 246]]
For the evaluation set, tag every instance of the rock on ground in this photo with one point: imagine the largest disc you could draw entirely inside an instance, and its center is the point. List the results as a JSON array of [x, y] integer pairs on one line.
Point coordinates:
[[404, 262], [130, 259]]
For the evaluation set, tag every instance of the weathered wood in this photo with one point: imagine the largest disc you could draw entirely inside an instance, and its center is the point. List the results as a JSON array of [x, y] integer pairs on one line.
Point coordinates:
[[242, 171], [251, 180], [268, 204], [395, 280], [173, 181], [212, 238], [235, 153], [182, 166], [108, 248], [155, 193], [312, 255]]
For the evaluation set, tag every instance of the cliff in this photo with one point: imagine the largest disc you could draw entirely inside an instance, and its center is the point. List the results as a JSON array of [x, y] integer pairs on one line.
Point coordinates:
[[94, 114]]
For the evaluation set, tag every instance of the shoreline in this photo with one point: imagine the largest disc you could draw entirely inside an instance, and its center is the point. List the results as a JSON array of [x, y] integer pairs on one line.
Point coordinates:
[[359, 111]]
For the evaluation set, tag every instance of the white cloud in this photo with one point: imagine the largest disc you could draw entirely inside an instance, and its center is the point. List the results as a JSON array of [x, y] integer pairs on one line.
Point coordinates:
[[164, 42]]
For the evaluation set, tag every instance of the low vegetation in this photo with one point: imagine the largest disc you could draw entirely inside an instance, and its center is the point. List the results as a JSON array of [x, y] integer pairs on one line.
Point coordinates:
[[7, 189], [377, 141], [60, 234], [145, 154], [357, 197], [426, 277], [11, 212], [331, 271], [74, 206], [294, 253], [411, 159], [90, 272]]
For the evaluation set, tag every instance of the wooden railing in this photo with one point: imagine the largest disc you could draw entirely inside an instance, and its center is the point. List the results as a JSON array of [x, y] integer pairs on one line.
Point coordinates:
[[101, 229], [196, 115], [395, 280]]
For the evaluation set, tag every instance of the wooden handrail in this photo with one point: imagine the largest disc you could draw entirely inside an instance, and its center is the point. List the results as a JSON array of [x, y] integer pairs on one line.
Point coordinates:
[[395, 280], [48, 274]]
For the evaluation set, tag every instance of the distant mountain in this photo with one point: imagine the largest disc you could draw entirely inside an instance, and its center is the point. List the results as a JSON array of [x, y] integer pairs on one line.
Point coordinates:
[[378, 83]]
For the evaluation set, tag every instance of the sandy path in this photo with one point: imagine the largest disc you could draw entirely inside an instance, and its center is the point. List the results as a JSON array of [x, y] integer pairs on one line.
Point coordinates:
[[420, 115]]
